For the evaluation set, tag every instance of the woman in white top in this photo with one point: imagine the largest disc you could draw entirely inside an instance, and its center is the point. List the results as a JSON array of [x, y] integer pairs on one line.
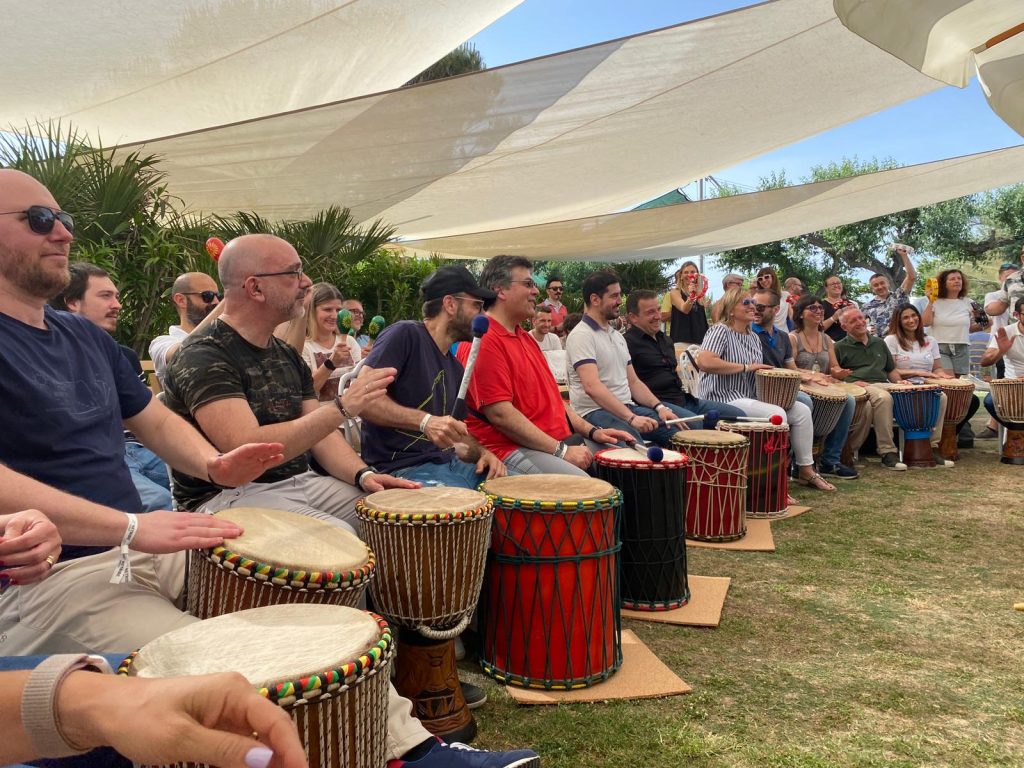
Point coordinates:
[[949, 318], [917, 357], [328, 354], [729, 356]]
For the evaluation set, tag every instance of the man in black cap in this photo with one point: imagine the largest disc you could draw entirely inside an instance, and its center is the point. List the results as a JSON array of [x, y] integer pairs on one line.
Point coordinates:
[[410, 432]]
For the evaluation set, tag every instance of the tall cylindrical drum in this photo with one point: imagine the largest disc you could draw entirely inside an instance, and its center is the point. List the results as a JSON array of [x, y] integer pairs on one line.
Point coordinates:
[[1008, 400], [551, 602], [716, 483], [777, 386], [653, 526], [767, 467]]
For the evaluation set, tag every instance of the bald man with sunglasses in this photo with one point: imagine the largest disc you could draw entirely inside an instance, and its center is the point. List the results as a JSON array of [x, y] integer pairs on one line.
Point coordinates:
[[197, 301]]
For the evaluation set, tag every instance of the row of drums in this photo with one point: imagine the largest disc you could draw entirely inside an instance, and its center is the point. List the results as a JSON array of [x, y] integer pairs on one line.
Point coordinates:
[[546, 561]]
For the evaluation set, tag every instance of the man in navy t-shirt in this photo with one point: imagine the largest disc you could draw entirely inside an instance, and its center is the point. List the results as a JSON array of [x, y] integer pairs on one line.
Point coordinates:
[[68, 392], [411, 433]]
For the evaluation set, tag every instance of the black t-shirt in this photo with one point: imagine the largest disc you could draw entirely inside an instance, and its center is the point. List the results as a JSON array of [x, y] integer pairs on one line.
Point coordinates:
[[220, 364], [654, 361], [834, 331]]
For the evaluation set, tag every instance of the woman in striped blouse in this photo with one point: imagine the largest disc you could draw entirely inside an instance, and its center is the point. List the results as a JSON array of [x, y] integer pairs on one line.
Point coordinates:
[[729, 356]]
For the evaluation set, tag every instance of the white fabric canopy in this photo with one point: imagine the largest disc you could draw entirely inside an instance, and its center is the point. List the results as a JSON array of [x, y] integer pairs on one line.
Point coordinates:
[[139, 69], [722, 224], [581, 133], [950, 40]]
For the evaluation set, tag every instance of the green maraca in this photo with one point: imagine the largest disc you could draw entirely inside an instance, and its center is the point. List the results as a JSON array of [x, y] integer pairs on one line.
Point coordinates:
[[375, 326]]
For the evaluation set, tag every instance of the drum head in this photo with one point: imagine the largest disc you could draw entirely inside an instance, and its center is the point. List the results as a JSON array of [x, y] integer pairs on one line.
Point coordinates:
[[706, 437], [294, 541], [425, 501], [777, 373], [550, 488], [627, 456], [858, 392], [955, 384], [826, 391], [266, 645]]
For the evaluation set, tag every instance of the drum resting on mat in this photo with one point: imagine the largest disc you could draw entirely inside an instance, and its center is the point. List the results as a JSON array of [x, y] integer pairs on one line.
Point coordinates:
[[767, 468], [551, 603], [282, 557], [1008, 399], [431, 546], [326, 665], [653, 526], [777, 386], [716, 484]]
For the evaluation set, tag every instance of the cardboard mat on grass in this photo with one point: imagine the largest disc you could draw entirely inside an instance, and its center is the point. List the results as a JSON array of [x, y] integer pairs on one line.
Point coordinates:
[[758, 539], [704, 609], [792, 511], [641, 676]]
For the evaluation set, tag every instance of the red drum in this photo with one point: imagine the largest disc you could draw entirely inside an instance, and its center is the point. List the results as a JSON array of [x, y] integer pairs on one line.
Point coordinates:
[[958, 400], [653, 526], [550, 607], [716, 484], [1008, 400], [777, 386], [767, 471]]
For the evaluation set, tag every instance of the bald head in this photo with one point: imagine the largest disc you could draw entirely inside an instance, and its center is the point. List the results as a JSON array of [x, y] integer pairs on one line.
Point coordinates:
[[19, 189], [248, 255]]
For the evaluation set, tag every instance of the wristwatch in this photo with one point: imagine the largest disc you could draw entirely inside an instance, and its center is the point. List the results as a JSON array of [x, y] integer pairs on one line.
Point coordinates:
[[329, 364]]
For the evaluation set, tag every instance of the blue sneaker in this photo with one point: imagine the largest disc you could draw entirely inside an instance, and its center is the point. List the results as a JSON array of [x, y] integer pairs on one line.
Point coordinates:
[[838, 471], [456, 755]]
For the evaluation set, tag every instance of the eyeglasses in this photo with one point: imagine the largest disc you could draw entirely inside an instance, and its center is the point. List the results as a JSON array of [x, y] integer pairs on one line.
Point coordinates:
[[557, 289], [355, 312], [763, 307], [529, 283], [296, 273], [206, 296], [750, 303], [41, 219], [478, 302], [815, 308]]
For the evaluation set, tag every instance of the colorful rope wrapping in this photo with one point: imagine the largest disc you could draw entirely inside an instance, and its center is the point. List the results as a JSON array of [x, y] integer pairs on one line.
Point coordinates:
[[283, 576], [553, 580]]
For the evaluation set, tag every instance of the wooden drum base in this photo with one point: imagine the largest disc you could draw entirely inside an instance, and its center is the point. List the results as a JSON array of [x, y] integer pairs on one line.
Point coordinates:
[[947, 444], [425, 673], [918, 453], [1013, 446]]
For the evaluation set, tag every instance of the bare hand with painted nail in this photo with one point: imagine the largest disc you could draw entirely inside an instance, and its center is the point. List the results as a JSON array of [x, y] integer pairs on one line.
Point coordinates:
[[29, 547]]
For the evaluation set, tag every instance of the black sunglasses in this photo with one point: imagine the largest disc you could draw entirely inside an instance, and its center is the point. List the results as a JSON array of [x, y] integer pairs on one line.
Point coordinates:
[[206, 296], [763, 307], [41, 219]]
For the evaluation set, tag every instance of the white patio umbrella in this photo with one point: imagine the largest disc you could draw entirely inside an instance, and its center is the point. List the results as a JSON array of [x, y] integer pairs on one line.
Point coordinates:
[[951, 40]]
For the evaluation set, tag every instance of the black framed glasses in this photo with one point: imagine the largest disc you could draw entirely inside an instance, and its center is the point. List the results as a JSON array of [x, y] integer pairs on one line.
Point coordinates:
[[556, 289], [763, 307], [41, 219], [815, 308], [206, 296], [296, 273]]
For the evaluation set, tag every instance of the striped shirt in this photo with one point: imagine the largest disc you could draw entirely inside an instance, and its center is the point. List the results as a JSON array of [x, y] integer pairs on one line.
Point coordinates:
[[734, 347]]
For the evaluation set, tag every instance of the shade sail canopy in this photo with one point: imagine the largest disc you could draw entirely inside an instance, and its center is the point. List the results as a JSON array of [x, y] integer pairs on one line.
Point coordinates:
[[722, 224], [146, 68], [952, 40], [581, 133]]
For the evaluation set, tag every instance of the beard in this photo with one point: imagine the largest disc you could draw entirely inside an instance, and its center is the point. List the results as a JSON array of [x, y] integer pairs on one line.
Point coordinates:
[[30, 275], [461, 327], [196, 314]]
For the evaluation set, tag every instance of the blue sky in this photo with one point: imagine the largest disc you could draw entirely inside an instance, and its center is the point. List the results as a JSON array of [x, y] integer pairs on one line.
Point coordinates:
[[947, 123]]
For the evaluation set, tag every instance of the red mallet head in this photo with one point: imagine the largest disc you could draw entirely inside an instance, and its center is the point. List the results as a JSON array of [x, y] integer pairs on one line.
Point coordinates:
[[214, 246], [775, 419]]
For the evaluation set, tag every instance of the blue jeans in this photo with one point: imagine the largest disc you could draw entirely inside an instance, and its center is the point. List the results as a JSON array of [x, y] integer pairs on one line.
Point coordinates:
[[836, 439], [662, 435], [149, 474], [726, 412], [454, 474]]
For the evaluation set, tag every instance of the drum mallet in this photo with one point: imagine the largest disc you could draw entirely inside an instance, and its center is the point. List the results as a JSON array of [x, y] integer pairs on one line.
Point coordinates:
[[709, 419], [479, 327]]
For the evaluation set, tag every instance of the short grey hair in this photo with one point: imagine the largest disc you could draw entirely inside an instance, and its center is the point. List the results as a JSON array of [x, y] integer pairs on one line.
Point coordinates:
[[497, 272]]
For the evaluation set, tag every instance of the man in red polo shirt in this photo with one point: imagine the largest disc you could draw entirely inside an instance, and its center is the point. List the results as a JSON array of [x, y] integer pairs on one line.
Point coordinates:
[[515, 408]]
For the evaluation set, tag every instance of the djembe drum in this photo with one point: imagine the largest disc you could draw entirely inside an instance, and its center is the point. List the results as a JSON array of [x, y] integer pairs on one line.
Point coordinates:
[[777, 386], [767, 467], [282, 557], [716, 484], [551, 602], [827, 405], [915, 407], [653, 528], [431, 546], [1008, 399], [860, 402], [958, 400], [326, 665]]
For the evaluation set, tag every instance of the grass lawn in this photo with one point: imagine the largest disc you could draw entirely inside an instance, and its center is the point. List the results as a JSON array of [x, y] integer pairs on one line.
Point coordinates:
[[880, 633]]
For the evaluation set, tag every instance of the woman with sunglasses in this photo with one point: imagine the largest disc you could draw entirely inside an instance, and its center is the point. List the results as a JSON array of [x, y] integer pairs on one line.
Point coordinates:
[[682, 310], [328, 354], [729, 357], [767, 279]]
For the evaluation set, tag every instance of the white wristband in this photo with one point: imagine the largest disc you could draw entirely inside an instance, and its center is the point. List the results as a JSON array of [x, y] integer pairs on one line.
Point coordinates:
[[423, 424], [123, 569]]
